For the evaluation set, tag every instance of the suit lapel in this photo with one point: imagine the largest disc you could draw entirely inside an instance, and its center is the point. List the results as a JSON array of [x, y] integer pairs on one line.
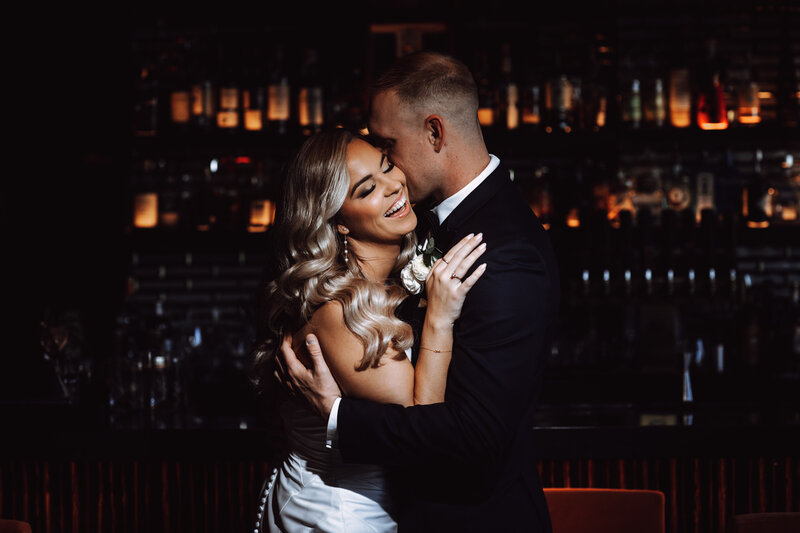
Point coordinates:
[[474, 201]]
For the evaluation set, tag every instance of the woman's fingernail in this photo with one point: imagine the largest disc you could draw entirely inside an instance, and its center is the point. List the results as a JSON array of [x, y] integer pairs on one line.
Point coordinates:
[[311, 340], [479, 235]]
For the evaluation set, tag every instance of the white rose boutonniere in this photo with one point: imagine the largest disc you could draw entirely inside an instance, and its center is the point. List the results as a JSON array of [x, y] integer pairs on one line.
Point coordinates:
[[416, 271]]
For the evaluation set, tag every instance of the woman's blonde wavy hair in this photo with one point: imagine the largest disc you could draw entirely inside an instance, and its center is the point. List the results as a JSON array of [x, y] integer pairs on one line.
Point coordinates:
[[311, 265]]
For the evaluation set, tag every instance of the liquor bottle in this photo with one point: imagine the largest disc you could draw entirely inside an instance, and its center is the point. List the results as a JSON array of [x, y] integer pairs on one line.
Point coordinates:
[[749, 104], [310, 109], [632, 105], [145, 196], [228, 102], [203, 100], [680, 98], [711, 110], [678, 193], [145, 112], [508, 93], [180, 96], [531, 100], [559, 99], [254, 100], [757, 201], [486, 93], [655, 111], [278, 93], [704, 191]]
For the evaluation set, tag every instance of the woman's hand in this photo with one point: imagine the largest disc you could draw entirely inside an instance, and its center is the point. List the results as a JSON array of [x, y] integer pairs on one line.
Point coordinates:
[[446, 286]]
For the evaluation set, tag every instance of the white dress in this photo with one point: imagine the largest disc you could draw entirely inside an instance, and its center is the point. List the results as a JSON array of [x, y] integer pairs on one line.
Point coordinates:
[[313, 490]]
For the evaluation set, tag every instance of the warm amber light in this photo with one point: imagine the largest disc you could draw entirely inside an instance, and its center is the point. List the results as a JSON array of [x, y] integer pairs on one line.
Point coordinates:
[[764, 95], [749, 119], [714, 125], [546, 225], [262, 213], [169, 218], [680, 106], [179, 107], [145, 210], [573, 220], [253, 120], [486, 116], [789, 212], [757, 225], [227, 119], [278, 108], [256, 229], [203, 227]]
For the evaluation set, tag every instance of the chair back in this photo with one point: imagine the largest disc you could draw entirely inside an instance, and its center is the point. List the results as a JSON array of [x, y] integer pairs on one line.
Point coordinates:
[[14, 526], [766, 523], [605, 510]]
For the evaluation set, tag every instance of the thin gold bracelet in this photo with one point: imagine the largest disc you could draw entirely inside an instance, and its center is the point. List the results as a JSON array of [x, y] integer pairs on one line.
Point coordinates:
[[437, 351]]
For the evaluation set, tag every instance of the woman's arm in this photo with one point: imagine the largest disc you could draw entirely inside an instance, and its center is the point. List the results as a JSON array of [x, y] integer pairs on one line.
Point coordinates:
[[395, 380]]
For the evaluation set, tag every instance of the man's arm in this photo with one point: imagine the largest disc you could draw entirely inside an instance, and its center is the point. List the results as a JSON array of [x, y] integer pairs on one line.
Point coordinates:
[[502, 344]]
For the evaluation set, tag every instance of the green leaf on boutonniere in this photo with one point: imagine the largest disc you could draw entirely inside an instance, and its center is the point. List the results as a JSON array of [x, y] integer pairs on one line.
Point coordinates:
[[431, 253]]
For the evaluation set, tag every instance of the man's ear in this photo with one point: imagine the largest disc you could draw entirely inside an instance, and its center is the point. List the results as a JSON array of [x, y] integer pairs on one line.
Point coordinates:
[[435, 126]]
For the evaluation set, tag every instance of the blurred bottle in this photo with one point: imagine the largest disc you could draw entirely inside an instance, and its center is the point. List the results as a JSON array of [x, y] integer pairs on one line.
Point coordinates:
[[279, 93], [310, 109], [655, 106], [531, 100], [254, 97], [711, 110], [559, 98], [680, 98], [203, 99], [228, 96], [508, 92], [486, 92], [180, 91], [632, 105], [145, 111], [678, 187], [757, 201]]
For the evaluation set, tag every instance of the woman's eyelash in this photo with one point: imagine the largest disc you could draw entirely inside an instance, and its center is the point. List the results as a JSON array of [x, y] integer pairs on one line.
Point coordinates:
[[366, 192], [389, 168]]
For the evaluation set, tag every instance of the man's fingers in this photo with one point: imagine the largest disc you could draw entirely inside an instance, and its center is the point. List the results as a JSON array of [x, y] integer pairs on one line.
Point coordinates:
[[312, 344], [291, 365]]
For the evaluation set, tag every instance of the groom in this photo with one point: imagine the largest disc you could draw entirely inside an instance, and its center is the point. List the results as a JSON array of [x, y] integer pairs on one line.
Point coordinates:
[[470, 460]]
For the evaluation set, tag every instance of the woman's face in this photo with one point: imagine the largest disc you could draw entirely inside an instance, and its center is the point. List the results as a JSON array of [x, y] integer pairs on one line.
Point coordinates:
[[376, 208]]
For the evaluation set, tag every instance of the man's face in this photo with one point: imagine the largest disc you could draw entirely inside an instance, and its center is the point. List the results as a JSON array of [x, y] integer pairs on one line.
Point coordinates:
[[403, 137]]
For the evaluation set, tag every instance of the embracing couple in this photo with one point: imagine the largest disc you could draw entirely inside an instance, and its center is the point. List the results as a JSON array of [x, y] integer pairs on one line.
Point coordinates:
[[411, 395]]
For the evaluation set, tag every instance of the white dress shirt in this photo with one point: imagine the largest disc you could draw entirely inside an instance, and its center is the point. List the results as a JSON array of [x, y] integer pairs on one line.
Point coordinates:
[[442, 211]]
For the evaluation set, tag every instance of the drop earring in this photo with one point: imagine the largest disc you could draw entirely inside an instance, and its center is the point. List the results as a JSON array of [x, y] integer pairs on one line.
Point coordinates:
[[346, 258]]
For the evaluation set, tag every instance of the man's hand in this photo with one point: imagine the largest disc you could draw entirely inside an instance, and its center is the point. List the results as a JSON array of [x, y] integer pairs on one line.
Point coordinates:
[[316, 384]]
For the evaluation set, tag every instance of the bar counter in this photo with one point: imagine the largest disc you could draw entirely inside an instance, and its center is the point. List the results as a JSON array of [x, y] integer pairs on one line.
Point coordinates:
[[66, 473]]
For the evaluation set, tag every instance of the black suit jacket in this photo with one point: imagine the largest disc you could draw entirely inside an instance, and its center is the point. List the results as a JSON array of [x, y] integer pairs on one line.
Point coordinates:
[[470, 461]]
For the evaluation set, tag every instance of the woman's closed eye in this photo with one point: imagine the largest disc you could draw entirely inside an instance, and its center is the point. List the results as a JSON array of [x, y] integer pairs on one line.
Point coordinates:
[[365, 190], [389, 166]]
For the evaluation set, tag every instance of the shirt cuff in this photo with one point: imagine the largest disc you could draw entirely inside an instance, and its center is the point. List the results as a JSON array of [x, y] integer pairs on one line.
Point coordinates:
[[331, 435]]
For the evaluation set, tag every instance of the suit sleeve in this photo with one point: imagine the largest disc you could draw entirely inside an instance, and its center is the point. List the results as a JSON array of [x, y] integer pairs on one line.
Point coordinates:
[[501, 342]]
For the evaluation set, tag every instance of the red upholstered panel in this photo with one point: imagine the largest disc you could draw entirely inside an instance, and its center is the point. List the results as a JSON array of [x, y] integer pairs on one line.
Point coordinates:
[[14, 526], [767, 523], [605, 510]]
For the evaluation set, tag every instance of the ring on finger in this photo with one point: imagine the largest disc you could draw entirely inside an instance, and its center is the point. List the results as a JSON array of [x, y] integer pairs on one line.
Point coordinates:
[[446, 262], [453, 276]]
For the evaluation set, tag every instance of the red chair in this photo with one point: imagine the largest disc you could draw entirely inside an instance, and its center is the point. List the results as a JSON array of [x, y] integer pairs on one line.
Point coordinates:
[[14, 526], [766, 523], [606, 510]]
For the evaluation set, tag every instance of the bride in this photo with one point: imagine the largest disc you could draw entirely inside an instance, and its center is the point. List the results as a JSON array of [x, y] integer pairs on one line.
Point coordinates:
[[346, 232]]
